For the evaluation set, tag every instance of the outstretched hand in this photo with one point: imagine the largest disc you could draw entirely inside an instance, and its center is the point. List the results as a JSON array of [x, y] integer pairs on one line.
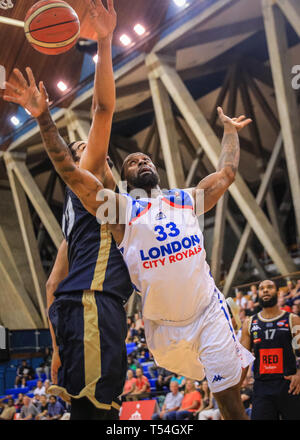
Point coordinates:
[[103, 20], [28, 95], [238, 123]]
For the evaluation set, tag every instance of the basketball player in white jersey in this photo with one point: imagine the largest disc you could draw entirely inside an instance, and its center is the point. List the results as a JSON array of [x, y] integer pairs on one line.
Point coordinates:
[[187, 323]]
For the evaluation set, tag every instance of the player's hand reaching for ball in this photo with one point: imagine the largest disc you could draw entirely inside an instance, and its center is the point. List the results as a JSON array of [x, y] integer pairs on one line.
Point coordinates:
[[103, 20], [233, 123], [27, 94]]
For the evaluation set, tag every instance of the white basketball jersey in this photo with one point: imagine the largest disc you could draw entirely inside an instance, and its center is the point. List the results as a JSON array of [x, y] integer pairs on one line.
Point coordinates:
[[164, 252]]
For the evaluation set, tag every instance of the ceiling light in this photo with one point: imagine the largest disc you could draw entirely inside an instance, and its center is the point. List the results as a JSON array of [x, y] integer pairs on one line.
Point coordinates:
[[15, 120], [179, 3], [125, 40], [139, 29], [62, 86]]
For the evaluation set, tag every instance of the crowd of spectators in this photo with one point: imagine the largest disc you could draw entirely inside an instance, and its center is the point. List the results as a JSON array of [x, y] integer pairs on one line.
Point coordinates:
[[37, 403], [178, 398]]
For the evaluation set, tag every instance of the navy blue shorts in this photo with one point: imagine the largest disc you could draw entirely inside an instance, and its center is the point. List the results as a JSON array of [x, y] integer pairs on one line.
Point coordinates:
[[272, 401], [90, 329]]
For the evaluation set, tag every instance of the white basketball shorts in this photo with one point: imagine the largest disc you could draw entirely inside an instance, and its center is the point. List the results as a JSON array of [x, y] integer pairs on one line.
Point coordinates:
[[207, 347]]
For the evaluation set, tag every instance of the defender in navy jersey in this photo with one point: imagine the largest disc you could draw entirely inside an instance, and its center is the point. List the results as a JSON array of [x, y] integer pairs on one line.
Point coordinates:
[[274, 335], [88, 315]]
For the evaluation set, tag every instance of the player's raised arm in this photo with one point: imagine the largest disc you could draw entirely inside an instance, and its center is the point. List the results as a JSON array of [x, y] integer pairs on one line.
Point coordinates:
[[215, 185], [94, 156], [35, 100]]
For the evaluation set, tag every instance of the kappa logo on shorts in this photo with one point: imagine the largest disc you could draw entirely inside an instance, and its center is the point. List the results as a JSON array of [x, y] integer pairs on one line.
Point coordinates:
[[217, 378]]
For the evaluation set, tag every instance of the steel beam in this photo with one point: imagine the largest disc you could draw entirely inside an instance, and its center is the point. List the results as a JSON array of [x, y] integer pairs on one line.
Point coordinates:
[[167, 131], [285, 95], [261, 194]]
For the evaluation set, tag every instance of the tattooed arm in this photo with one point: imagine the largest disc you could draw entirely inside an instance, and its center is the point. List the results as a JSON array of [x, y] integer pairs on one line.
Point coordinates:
[[215, 185], [35, 99]]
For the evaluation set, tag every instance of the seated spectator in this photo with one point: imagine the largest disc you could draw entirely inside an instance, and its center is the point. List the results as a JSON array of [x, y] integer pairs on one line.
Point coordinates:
[[40, 388], [159, 384], [138, 321], [180, 380], [171, 404], [254, 294], [47, 384], [28, 410], [43, 408], [251, 308], [211, 412], [241, 300], [246, 394], [141, 387], [190, 403], [45, 366], [36, 401], [282, 305], [19, 402], [132, 332], [8, 409], [55, 409], [24, 373], [129, 385], [296, 307], [133, 363], [205, 394]]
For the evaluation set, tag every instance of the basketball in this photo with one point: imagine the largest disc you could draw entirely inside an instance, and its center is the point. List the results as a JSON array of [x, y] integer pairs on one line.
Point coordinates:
[[52, 27]]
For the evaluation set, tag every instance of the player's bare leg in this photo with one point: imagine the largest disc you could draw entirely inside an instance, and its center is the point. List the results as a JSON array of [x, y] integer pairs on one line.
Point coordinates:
[[230, 404]]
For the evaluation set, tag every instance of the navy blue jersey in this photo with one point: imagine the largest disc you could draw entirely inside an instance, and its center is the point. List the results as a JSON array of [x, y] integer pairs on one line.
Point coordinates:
[[95, 263], [271, 340]]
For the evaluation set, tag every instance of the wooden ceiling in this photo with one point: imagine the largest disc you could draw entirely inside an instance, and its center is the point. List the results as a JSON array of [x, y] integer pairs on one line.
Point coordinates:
[[15, 51]]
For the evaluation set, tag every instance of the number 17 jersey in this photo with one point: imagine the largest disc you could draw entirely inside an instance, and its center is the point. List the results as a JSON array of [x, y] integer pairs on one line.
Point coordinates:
[[164, 252]]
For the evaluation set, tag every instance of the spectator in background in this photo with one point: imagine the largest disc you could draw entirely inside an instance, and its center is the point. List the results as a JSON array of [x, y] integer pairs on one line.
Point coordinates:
[[211, 412], [133, 363], [19, 402], [180, 380], [28, 410], [241, 300], [246, 395], [159, 384], [190, 403], [296, 307], [40, 388], [47, 384], [141, 388], [8, 410], [205, 394], [36, 401], [55, 409], [282, 305], [251, 308], [43, 408], [138, 321], [253, 293], [45, 366], [24, 373], [171, 404], [129, 385]]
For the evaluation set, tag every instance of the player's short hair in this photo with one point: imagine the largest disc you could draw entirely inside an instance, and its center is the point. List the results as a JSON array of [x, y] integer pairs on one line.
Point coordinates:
[[73, 152]]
